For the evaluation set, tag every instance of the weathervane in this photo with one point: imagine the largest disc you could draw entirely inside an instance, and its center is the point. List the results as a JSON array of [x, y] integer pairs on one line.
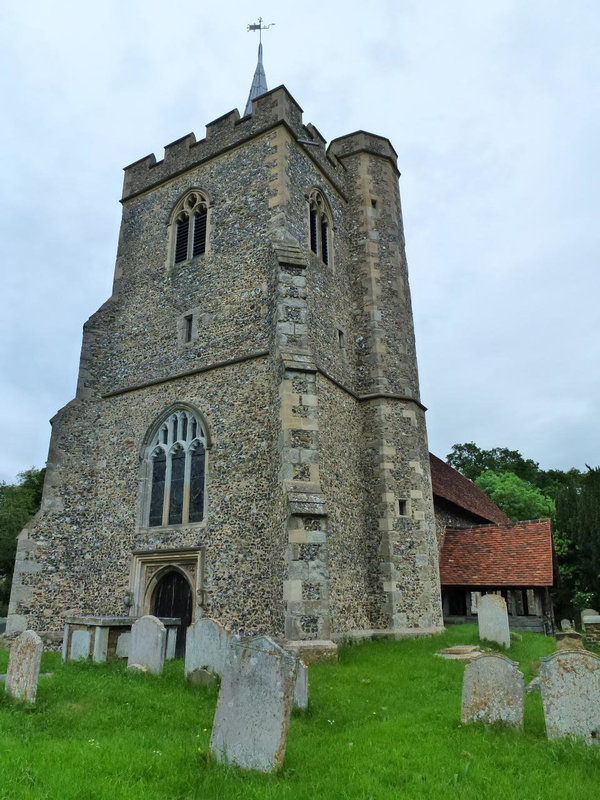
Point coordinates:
[[258, 26]]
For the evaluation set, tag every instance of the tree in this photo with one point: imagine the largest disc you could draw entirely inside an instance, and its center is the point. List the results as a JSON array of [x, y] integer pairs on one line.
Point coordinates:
[[18, 503], [578, 523], [516, 497], [471, 461]]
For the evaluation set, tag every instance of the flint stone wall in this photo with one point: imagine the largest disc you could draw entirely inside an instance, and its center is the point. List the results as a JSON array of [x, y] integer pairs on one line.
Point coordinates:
[[253, 710], [570, 687], [492, 690]]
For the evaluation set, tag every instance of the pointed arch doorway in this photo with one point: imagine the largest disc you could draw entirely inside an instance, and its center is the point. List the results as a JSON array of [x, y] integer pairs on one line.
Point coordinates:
[[172, 597]]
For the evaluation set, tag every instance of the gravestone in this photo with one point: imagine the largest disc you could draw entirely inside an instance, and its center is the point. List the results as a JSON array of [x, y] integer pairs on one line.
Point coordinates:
[[493, 619], [492, 690], [569, 640], [207, 646], [80, 645], [24, 667], [253, 710], [570, 686], [301, 686], [147, 644]]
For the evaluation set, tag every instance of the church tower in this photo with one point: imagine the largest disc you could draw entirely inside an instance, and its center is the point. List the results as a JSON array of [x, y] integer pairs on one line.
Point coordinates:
[[247, 434]]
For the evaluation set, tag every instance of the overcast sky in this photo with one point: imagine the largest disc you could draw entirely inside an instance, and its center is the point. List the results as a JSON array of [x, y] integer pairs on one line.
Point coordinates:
[[492, 106]]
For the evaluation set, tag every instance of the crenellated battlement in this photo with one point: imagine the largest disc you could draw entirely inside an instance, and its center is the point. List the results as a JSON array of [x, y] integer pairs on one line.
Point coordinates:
[[229, 130], [362, 142]]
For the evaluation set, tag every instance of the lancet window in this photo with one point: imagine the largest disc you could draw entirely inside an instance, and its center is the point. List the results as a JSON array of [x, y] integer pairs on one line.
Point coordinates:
[[177, 455], [190, 227], [319, 226]]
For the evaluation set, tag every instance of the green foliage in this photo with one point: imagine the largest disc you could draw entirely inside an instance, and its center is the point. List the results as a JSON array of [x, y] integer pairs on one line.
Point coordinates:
[[18, 503], [516, 497], [578, 531], [383, 723], [471, 461]]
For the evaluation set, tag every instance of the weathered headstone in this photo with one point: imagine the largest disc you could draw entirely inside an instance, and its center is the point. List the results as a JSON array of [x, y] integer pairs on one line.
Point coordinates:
[[123, 644], [207, 646], [566, 625], [24, 667], [492, 690], [570, 686], [80, 645], [147, 644], [301, 686], [493, 619], [253, 710]]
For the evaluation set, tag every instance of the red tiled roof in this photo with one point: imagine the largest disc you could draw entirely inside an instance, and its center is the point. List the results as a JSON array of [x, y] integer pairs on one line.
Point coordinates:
[[450, 485], [518, 554]]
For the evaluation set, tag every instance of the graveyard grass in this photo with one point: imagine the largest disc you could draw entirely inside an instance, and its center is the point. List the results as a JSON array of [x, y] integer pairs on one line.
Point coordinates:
[[382, 723]]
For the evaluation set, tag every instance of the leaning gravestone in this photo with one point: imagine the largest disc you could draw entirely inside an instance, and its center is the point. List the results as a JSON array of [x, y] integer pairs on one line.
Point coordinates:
[[492, 690], [570, 687], [147, 644], [493, 619], [207, 646], [253, 710], [24, 667]]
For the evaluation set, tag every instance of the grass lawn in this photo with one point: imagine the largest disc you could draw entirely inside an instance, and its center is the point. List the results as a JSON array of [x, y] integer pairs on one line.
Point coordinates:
[[383, 723]]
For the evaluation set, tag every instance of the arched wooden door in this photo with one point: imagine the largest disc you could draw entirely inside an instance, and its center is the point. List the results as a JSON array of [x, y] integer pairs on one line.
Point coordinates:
[[173, 598]]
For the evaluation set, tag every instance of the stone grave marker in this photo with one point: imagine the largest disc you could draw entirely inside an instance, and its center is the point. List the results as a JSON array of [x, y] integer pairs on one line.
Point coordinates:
[[570, 687], [80, 645], [24, 667], [492, 690], [253, 710], [147, 644], [207, 646], [301, 686], [493, 619]]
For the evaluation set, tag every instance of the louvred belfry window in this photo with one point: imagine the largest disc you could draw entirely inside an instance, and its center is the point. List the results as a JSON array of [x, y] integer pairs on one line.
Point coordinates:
[[319, 226], [177, 471], [191, 219]]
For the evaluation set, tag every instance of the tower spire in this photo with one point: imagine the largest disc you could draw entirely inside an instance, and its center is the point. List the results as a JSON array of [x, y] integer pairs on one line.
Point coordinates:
[[259, 82]]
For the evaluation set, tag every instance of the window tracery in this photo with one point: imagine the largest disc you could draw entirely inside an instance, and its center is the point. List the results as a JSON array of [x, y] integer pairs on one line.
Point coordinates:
[[190, 220], [177, 456], [319, 226]]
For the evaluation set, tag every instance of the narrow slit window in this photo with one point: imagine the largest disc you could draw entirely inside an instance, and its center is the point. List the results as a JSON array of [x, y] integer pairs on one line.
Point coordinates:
[[319, 226], [402, 507], [341, 338], [187, 328]]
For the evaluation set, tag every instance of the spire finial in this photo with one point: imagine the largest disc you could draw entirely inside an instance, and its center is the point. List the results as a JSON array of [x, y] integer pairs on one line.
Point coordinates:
[[259, 82]]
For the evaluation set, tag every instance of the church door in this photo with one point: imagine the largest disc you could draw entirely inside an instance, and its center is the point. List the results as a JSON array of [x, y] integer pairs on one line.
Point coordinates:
[[173, 598]]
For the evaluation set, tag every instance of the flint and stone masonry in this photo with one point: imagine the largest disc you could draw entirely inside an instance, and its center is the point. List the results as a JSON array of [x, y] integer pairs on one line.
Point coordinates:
[[290, 342]]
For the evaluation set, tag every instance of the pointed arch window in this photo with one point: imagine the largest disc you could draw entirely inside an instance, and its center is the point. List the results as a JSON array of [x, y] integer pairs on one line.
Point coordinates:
[[319, 226], [190, 221], [177, 470]]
